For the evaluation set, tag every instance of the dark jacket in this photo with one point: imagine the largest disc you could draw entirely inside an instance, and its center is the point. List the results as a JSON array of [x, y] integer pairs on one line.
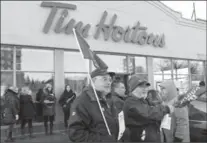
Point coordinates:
[[11, 107], [118, 101], [86, 123], [138, 112], [67, 98], [48, 108], [27, 107]]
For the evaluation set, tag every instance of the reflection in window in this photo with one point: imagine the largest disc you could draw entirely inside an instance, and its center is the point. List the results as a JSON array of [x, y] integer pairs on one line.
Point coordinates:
[[34, 60], [76, 81], [140, 65], [115, 63], [73, 62], [195, 79], [6, 57], [196, 67], [161, 66], [180, 67], [34, 80], [6, 78]]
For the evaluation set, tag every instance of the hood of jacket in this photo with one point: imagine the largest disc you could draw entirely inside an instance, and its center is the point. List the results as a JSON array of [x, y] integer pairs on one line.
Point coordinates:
[[170, 87]]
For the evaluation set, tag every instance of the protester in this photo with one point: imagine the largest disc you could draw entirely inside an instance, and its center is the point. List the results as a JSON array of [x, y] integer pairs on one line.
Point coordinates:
[[152, 130], [119, 97], [138, 113], [48, 101], [86, 123], [118, 94], [11, 111], [27, 111], [65, 101], [179, 128]]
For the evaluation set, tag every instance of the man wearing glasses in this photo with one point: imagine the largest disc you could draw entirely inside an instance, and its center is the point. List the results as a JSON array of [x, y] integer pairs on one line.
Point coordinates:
[[86, 123]]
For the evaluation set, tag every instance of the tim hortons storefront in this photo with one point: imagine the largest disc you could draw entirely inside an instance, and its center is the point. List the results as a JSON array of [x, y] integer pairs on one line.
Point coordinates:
[[142, 37]]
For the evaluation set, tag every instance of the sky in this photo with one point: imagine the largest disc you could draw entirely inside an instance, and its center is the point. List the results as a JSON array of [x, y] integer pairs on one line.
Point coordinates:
[[186, 8]]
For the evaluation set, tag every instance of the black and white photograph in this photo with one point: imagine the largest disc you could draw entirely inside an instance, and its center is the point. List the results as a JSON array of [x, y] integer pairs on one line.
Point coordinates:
[[103, 71]]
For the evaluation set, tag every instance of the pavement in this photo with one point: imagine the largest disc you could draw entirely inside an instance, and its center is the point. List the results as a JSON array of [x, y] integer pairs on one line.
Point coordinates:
[[57, 137]]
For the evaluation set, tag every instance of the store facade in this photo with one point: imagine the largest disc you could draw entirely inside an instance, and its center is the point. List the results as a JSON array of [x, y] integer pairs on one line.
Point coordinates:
[[145, 38]]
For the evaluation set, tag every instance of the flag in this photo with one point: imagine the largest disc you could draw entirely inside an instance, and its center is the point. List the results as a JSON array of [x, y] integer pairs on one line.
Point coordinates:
[[191, 95], [88, 53]]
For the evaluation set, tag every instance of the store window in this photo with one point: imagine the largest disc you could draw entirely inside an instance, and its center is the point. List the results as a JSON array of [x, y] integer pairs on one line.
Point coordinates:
[[115, 63], [73, 62], [76, 81], [35, 68], [7, 61], [181, 75], [197, 72], [161, 70], [34, 60]]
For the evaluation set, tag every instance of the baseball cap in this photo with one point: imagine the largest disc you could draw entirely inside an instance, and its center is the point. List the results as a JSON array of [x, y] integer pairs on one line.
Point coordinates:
[[99, 72], [136, 81]]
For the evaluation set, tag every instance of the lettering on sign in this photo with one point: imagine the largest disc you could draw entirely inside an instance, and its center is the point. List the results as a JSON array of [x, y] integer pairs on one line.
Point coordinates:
[[136, 35]]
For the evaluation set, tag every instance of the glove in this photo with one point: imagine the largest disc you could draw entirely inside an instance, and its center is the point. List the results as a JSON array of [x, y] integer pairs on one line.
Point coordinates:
[[17, 117]]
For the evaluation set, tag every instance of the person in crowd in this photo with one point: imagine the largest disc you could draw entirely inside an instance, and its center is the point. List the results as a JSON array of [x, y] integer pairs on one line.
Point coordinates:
[[65, 101], [27, 111], [119, 97], [152, 130], [48, 101], [138, 113], [11, 111], [86, 123], [202, 84], [179, 128], [118, 94]]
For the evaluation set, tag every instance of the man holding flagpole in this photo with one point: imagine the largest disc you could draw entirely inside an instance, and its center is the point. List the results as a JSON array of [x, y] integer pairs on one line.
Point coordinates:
[[94, 115]]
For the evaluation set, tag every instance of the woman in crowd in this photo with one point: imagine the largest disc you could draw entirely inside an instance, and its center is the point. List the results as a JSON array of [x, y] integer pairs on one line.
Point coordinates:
[[27, 111], [10, 111], [153, 129], [48, 101], [179, 127], [65, 101]]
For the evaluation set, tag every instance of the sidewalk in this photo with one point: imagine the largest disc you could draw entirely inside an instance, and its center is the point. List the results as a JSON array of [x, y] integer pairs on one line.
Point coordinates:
[[38, 128], [58, 137]]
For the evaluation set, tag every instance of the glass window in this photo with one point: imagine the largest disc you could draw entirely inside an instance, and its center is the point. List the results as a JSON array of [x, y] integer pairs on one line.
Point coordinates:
[[161, 66], [196, 79], [196, 67], [140, 65], [35, 80], [6, 57], [180, 67], [115, 63], [73, 62], [76, 81], [6, 78], [34, 60]]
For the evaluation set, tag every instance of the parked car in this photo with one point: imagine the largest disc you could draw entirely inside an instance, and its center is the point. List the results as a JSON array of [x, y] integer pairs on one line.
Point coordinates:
[[197, 119]]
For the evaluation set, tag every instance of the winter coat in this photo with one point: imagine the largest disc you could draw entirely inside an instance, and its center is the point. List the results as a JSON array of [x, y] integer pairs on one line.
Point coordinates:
[[66, 99], [48, 108], [118, 101], [139, 114], [11, 107], [27, 107], [179, 129], [86, 123]]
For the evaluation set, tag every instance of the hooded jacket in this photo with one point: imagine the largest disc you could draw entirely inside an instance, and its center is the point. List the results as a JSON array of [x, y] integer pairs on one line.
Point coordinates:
[[179, 118]]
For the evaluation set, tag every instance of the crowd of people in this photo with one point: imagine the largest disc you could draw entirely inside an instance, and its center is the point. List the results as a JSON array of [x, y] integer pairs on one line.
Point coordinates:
[[144, 111]]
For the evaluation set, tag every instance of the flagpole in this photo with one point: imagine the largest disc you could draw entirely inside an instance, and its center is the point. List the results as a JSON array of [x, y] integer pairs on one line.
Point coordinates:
[[106, 124]]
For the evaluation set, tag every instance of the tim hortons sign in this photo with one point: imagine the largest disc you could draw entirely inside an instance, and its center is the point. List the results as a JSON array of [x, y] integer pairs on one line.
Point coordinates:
[[137, 34]]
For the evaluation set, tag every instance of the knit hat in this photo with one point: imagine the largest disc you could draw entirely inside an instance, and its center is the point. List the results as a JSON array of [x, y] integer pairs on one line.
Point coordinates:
[[136, 81], [13, 89]]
